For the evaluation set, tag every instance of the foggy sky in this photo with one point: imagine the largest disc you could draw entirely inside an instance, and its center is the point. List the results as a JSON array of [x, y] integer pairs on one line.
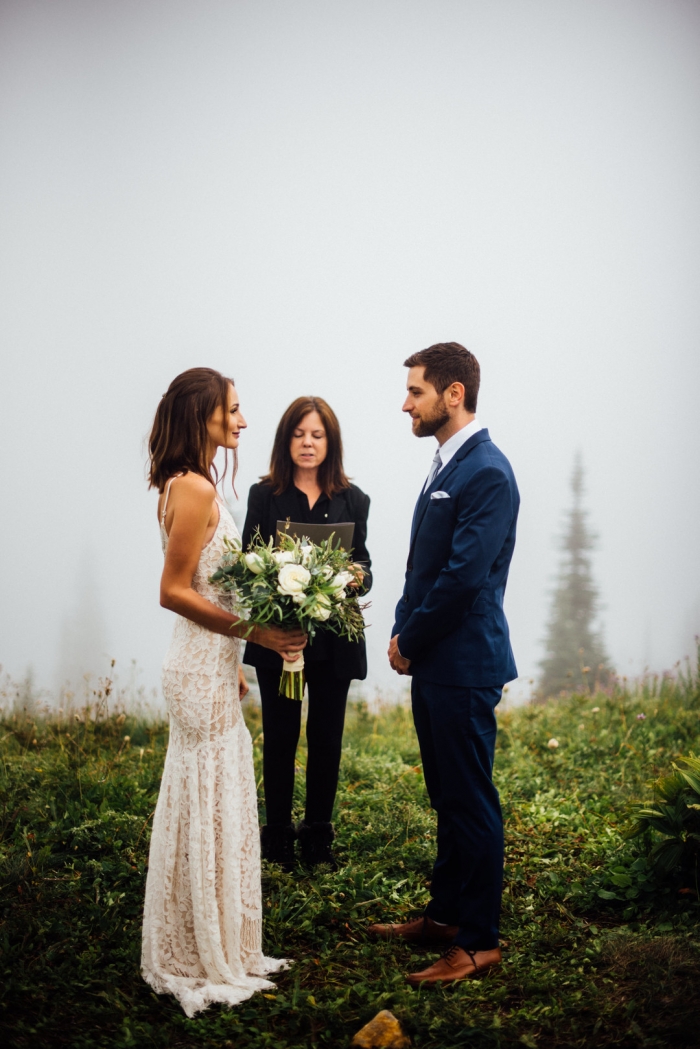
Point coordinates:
[[301, 194]]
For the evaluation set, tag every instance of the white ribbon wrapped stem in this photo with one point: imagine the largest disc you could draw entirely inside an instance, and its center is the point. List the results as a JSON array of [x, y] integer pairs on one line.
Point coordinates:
[[294, 667]]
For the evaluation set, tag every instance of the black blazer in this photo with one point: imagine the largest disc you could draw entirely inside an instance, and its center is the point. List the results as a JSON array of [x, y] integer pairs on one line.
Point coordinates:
[[264, 511]]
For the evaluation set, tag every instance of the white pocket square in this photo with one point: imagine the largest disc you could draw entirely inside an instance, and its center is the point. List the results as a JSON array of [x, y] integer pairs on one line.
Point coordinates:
[[440, 495]]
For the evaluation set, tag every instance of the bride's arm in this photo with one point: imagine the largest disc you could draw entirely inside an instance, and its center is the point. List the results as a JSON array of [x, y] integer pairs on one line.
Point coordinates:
[[190, 510]]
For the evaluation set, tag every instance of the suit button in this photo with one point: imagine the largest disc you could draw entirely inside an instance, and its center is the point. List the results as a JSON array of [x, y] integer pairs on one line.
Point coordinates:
[[405, 598], [409, 568]]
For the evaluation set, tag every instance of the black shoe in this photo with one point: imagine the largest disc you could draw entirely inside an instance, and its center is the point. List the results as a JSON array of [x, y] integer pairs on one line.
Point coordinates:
[[316, 841], [277, 844]]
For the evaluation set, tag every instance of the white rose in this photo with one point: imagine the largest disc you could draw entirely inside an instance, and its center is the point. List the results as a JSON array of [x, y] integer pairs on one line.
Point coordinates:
[[340, 582], [327, 572], [254, 563], [293, 579], [283, 557], [321, 608]]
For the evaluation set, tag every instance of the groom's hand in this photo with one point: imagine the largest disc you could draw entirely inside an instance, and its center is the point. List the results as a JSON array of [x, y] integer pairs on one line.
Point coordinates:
[[397, 661]]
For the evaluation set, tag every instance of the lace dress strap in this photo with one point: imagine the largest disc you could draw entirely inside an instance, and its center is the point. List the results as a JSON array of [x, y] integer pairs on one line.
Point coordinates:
[[167, 496]]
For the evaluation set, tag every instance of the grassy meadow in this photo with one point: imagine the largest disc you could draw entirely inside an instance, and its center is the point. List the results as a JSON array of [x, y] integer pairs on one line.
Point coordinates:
[[597, 950]]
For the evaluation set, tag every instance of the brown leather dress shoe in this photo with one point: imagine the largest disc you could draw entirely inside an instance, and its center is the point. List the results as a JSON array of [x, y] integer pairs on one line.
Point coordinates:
[[456, 964], [421, 930]]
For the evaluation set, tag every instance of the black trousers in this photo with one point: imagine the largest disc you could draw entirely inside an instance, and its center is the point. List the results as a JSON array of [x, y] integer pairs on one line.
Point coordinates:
[[324, 736], [456, 730]]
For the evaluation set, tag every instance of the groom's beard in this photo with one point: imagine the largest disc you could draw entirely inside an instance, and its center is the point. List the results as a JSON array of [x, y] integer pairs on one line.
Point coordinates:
[[428, 425]]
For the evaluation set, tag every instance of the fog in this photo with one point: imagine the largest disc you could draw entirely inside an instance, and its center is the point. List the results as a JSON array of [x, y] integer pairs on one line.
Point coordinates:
[[303, 193]]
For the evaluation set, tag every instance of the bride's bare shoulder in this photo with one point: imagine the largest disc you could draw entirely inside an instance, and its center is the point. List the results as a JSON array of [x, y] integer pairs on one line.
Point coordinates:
[[191, 482], [192, 488]]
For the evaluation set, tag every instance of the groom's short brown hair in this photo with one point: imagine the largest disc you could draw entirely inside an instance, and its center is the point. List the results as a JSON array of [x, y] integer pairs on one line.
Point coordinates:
[[448, 362]]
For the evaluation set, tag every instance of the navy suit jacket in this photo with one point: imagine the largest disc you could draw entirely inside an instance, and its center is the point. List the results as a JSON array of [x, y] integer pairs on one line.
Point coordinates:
[[450, 620]]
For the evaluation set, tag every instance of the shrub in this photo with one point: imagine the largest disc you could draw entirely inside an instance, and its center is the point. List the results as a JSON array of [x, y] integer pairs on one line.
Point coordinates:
[[671, 821]]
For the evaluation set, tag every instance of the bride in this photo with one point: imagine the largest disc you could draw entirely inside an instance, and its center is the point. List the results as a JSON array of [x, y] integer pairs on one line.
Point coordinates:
[[202, 922]]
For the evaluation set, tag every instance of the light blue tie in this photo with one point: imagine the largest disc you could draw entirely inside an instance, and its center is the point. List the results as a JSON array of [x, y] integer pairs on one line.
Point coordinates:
[[434, 470]]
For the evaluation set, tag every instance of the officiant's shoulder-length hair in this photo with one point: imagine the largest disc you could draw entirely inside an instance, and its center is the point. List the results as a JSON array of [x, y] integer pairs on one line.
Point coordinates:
[[331, 473], [179, 440]]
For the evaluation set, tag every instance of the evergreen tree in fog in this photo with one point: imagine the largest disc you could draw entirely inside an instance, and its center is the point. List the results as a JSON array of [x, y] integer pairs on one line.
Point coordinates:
[[575, 657]]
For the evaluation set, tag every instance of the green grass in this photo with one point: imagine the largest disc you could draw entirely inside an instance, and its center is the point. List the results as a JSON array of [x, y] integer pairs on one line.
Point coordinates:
[[596, 952]]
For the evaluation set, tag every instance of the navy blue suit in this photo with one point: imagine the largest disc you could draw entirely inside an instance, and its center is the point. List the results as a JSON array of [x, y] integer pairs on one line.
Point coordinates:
[[452, 627]]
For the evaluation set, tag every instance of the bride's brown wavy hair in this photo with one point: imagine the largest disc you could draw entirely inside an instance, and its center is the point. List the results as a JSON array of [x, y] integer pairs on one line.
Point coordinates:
[[179, 438], [331, 473]]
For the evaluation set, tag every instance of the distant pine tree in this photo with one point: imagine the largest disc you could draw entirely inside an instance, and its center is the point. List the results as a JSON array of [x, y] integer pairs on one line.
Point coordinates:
[[575, 657]]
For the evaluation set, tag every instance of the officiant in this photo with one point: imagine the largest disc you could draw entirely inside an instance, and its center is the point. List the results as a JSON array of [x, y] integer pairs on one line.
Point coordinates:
[[307, 483]]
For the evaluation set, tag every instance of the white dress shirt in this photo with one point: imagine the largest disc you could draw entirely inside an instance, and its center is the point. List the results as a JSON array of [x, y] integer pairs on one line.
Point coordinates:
[[451, 446]]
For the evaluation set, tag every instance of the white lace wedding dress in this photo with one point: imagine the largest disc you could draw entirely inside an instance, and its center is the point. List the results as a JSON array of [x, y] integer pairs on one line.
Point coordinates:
[[202, 922]]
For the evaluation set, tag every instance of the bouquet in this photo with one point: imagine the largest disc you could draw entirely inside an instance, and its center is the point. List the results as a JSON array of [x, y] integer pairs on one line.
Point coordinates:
[[297, 583]]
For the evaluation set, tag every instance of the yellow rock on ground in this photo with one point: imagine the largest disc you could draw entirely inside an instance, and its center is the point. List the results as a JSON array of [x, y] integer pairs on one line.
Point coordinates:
[[383, 1032]]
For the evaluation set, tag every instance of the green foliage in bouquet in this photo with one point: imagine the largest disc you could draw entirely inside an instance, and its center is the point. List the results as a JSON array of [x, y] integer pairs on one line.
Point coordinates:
[[673, 820], [293, 584]]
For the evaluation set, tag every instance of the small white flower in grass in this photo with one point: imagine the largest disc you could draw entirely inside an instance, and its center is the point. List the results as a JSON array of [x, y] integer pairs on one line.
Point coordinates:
[[254, 563], [553, 743], [293, 579], [595, 710]]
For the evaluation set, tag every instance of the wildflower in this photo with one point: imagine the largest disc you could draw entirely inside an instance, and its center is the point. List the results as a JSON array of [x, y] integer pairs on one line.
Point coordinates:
[[641, 717], [553, 744], [596, 710], [127, 738]]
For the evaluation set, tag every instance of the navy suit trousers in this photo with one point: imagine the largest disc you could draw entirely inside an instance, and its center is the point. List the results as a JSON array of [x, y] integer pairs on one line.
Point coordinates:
[[456, 729]]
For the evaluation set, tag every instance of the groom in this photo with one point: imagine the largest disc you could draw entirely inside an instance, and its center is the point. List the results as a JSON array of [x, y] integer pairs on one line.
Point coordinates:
[[451, 635]]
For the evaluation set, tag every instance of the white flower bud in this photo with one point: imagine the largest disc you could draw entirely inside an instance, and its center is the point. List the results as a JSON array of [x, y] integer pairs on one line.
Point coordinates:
[[254, 563]]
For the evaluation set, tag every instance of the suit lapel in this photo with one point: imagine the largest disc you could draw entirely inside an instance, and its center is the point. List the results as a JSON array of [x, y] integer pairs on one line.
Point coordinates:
[[440, 479], [421, 507]]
